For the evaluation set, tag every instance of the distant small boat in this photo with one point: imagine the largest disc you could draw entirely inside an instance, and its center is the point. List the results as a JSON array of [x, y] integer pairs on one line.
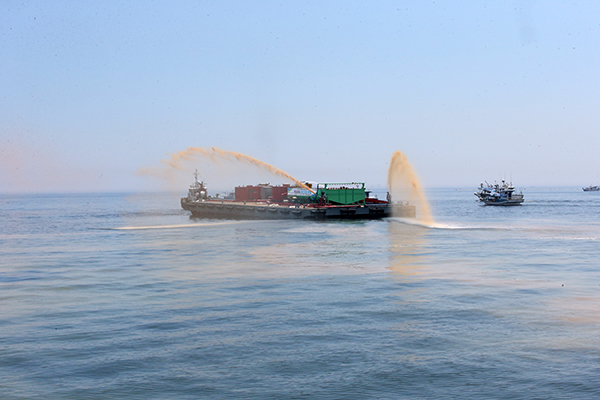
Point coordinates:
[[591, 189]]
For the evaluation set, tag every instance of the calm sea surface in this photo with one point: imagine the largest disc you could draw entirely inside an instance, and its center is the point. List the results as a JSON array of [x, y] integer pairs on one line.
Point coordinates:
[[492, 303]]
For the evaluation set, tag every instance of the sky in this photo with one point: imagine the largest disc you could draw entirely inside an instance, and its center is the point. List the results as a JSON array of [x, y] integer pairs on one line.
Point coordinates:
[[93, 92]]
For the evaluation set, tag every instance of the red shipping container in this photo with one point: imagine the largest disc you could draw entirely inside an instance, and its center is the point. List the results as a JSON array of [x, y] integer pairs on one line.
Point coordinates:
[[280, 192], [247, 193], [241, 193]]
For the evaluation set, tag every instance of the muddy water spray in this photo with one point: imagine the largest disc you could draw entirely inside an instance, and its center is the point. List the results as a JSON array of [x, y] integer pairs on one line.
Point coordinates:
[[404, 185], [216, 155]]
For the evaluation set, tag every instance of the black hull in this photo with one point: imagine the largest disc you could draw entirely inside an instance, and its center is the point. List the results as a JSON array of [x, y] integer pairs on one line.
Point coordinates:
[[233, 210]]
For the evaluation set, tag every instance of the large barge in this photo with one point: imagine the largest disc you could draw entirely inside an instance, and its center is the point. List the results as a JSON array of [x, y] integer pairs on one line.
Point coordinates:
[[323, 201]]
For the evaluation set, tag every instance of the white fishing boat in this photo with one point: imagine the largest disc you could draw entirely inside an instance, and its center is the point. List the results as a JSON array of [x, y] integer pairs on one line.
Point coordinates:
[[591, 189], [484, 191], [499, 195]]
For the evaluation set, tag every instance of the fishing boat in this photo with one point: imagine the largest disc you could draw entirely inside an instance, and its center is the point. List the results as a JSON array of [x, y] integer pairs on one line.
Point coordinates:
[[484, 191], [591, 189], [320, 201], [499, 195]]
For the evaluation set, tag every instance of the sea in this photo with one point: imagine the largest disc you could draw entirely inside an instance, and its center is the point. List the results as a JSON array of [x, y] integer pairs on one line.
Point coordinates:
[[125, 296]]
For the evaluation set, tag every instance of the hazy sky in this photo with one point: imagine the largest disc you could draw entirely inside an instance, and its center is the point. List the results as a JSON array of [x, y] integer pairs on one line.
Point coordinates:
[[90, 92]]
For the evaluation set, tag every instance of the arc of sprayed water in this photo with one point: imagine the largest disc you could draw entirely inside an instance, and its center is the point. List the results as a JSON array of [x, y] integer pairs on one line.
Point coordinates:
[[400, 172], [214, 154]]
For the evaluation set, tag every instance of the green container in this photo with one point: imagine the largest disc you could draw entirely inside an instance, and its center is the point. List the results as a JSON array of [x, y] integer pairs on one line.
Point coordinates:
[[342, 193]]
